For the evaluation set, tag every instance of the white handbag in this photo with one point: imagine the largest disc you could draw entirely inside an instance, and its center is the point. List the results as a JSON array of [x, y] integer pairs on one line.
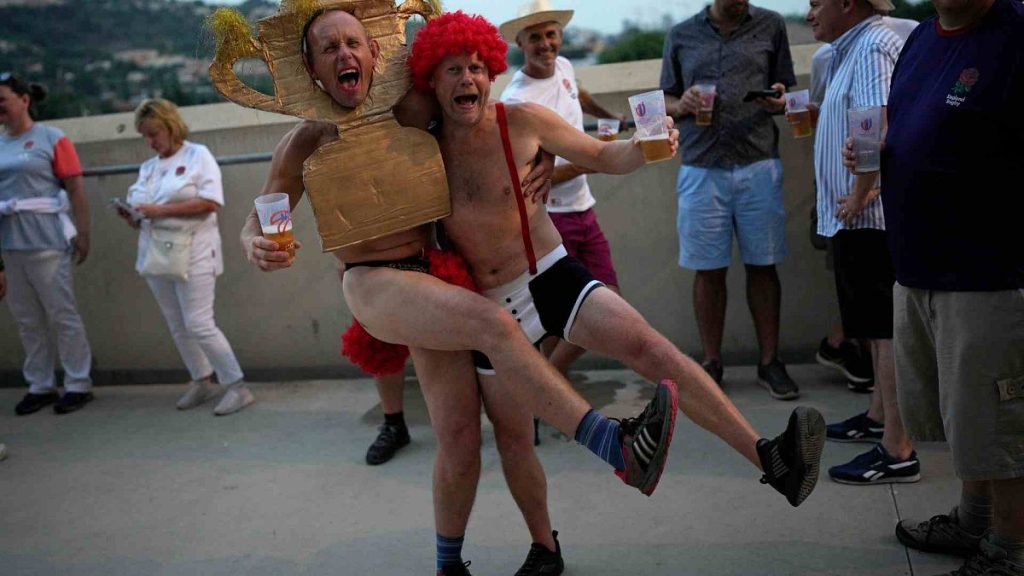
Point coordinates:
[[167, 253], [169, 250]]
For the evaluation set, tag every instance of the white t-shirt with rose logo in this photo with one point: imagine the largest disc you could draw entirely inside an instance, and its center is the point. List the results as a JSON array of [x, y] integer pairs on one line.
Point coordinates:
[[192, 172], [559, 93]]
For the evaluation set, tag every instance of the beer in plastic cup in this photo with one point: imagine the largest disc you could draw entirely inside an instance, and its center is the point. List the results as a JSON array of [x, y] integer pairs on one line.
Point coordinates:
[[865, 125], [706, 110], [798, 113], [656, 148], [649, 114], [607, 129], [275, 216]]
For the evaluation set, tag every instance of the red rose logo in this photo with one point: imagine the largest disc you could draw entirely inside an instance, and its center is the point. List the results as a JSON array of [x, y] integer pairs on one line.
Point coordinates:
[[179, 171], [641, 109], [969, 77], [30, 145], [565, 82]]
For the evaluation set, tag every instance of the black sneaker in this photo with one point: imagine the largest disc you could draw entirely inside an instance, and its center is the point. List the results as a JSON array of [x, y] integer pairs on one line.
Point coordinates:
[[791, 460], [940, 534], [714, 369], [848, 359], [72, 401], [645, 440], [390, 440], [776, 380], [543, 562], [990, 560], [461, 569], [35, 402]]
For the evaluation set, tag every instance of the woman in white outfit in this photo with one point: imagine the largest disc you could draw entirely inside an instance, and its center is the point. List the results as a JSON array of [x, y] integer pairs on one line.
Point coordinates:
[[44, 226], [177, 197]]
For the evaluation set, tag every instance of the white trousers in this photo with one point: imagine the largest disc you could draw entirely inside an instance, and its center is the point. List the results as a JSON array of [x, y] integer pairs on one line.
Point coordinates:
[[188, 309], [41, 297]]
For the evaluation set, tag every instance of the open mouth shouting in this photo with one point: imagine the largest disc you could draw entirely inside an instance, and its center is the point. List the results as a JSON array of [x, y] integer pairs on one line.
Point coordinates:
[[348, 80], [466, 101]]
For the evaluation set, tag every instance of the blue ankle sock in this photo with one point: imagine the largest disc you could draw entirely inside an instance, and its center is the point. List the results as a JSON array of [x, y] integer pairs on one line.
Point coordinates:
[[601, 436], [449, 551]]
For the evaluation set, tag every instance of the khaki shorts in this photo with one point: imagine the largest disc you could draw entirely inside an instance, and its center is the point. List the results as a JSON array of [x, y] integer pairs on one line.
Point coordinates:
[[960, 376]]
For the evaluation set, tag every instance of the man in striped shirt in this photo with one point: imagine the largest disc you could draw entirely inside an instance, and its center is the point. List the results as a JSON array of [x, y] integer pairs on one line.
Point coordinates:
[[864, 54]]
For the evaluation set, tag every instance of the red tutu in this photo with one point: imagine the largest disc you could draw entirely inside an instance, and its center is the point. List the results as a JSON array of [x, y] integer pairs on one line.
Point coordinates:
[[379, 358]]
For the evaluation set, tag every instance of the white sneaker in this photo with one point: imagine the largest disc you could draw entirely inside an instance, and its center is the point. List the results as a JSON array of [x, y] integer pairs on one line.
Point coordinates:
[[237, 397], [3, 451], [197, 393]]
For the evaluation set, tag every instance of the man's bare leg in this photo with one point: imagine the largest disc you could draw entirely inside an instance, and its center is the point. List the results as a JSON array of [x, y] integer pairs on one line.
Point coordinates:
[[607, 324], [709, 300], [764, 295], [513, 432], [562, 354], [423, 312], [448, 382], [1008, 518], [894, 439]]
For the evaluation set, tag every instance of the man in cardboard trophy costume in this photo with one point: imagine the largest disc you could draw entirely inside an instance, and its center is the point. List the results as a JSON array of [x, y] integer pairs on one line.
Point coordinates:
[[374, 186]]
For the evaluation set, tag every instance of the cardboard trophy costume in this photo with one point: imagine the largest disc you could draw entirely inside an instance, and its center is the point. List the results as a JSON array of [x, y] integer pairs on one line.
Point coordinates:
[[378, 178]]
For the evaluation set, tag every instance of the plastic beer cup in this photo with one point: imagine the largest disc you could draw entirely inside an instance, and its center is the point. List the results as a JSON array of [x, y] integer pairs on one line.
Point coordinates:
[[607, 129], [649, 115], [798, 114], [275, 216], [865, 125], [706, 110]]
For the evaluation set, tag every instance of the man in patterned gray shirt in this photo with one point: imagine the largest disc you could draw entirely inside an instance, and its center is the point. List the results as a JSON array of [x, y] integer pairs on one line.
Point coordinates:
[[731, 175]]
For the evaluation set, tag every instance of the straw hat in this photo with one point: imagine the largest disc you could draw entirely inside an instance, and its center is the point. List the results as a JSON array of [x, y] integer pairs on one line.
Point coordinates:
[[533, 13]]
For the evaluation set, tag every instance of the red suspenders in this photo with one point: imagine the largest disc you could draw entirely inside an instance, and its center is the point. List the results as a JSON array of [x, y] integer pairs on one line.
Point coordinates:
[[523, 220]]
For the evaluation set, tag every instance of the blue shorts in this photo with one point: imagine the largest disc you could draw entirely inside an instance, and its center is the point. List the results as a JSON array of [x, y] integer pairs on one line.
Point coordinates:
[[715, 201]]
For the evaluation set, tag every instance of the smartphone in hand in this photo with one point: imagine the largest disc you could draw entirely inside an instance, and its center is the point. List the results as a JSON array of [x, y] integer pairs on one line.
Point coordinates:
[[755, 94], [117, 203]]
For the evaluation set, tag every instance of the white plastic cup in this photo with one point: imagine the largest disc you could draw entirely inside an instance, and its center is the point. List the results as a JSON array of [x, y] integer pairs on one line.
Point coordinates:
[[607, 129], [865, 127], [275, 214], [706, 111], [649, 115], [798, 113], [797, 101]]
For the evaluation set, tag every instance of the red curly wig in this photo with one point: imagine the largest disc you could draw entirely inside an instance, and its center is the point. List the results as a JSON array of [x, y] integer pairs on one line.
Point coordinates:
[[455, 33]]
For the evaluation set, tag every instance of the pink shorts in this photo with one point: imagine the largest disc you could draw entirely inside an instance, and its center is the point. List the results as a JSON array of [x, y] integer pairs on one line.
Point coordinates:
[[584, 240]]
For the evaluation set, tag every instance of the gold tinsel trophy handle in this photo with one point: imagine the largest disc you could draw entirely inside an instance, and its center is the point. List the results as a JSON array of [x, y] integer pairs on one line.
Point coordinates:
[[428, 9], [234, 41]]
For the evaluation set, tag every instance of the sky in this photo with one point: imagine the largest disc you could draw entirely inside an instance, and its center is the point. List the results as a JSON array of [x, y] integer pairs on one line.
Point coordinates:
[[603, 15]]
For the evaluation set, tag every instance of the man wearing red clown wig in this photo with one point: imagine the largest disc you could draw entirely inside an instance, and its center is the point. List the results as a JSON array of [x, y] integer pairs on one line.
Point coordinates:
[[487, 146], [389, 288]]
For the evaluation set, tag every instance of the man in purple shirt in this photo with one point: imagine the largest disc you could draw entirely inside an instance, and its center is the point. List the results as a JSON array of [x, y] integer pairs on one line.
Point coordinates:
[[953, 213]]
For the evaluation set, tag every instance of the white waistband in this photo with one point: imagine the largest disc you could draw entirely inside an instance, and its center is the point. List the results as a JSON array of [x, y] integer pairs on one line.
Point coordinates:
[[543, 263], [58, 205]]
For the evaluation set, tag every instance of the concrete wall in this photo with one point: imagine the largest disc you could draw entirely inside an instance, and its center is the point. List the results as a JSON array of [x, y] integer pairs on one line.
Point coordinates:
[[288, 323]]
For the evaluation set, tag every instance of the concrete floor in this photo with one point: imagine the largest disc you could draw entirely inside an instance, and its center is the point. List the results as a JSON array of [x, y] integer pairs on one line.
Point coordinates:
[[130, 486]]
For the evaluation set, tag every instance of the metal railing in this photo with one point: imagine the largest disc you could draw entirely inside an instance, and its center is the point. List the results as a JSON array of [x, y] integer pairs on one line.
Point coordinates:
[[116, 169]]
